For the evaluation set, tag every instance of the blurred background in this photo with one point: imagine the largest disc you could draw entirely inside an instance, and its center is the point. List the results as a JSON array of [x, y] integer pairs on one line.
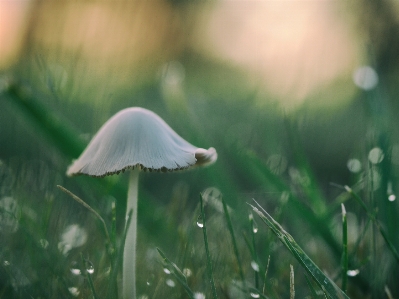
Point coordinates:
[[299, 98]]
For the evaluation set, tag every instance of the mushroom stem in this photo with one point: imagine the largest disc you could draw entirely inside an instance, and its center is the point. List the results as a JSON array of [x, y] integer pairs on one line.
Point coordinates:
[[129, 251]]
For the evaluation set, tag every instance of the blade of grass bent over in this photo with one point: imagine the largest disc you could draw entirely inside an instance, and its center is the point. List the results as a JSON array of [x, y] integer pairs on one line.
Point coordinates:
[[177, 273], [83, 203], [320, 278], [208, 256], [317, 222]]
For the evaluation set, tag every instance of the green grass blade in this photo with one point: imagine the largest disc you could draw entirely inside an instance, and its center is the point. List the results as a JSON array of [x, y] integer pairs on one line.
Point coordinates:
[[208, 256], [117, 261], [248, 243], [177, 273], [264, 277], [312, 190], [55, 128], [83, 203], [312, 290], [261, 172], [344, 249], [254, 256], [233, 240], [375, 221], [88, 277], [321, 279]]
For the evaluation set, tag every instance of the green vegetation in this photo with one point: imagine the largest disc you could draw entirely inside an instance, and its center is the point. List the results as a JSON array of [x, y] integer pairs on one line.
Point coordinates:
[[310, 192]]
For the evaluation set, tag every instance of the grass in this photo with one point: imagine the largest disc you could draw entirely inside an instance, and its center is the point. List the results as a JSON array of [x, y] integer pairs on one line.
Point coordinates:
[[266, 225], [344, 262]]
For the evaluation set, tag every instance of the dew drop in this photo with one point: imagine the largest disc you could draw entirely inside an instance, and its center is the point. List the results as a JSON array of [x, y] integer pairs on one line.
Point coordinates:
[[391, 195], [325, 281], [74, 291], [199, 295], [76, 271], [254, 295], [89, 266], [255, 266], [254, 227], [150, 280], [6, 263], [352, 273], [166, 270], [200, 222], [170, 283], [90, 269]]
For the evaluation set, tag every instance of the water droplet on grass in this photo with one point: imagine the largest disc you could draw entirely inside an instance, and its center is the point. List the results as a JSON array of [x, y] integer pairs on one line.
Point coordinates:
[[89, 266], [90, 269], [255, 266], [391, 196], [200, 222], [150, 280], [166, 270], [74, 291], [254, 227], [254, 295], [76, 271], [170, 283], [6, 263], [352, 273], [199, 296]]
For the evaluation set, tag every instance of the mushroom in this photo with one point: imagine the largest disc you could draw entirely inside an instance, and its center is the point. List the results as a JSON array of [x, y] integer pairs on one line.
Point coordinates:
[[137, 139]]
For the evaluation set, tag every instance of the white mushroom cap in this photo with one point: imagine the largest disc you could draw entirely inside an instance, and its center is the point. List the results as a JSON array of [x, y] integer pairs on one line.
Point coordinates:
[[137, 137]]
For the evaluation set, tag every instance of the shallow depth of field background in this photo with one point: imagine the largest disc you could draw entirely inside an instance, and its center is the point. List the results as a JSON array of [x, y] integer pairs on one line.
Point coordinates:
[[299, 98]]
